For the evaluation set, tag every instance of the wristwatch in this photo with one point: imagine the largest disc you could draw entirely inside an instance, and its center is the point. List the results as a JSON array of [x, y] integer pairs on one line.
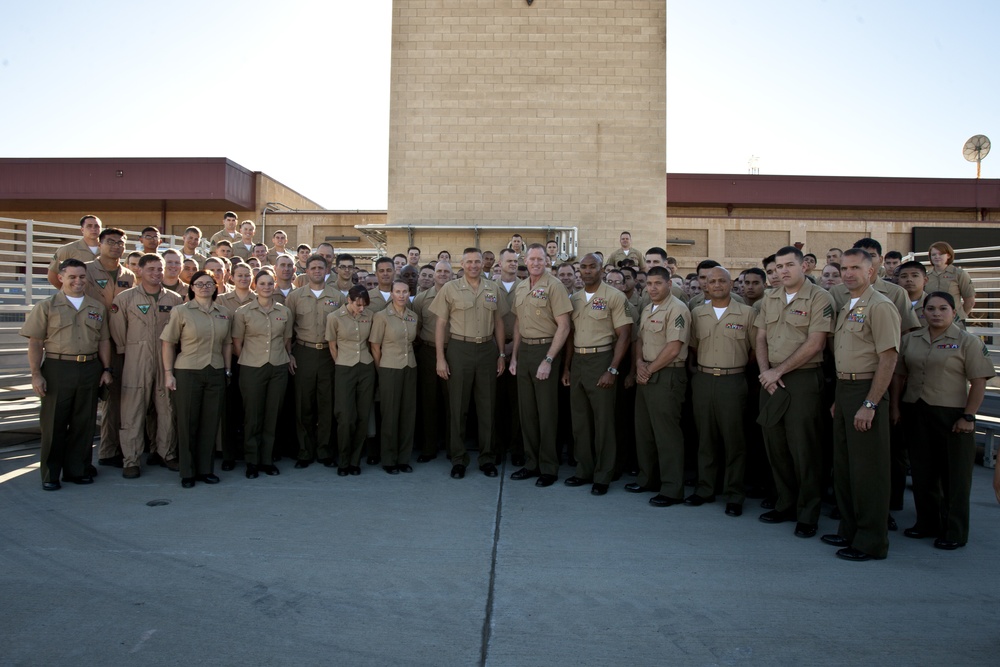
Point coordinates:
[[612, 370], [503, 355], [969, 418], [868, 404], [548, 360], [109, 370]]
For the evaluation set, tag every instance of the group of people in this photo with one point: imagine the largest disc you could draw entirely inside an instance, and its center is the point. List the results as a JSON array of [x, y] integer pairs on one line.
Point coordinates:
[[774, 383]]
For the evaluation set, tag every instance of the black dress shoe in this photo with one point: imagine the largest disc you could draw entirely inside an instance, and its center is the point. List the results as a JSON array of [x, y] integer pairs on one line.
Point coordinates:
[[374, 460], [343, 472], [852, 554], [891, 523], [524, 473], [546, 480], [947, 545], [489, 470], [404, 467], [576, 481], [328, 462], [392, 470], [302, 464], [154, 459], [457, 471], [694, 500], [661, 500], [916, 533], [354, 470], [774, 516], [635, 487], [734, 509], [251, 471], [835, 540], [768, 503], [91, 471], [517, 461], [51, 486], [208, 479], [228, 465], [82, 479], [114, 461], [187, 482], [424, 458], [805, 529], [271, 470], [598, 489]]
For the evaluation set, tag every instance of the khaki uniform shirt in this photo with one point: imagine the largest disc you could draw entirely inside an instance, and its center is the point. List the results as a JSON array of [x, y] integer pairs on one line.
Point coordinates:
[[675, 291], [895, 293], [75, 250], [954, 281], [669, 322], [351, 335], [138, 319], [279, 296], [428, 321], [700, 299], [233, 302], [788, 325], [378, 302], [103, 285], [866, 330], [620, 254], [724, 342], [310, 314], [938, 371], [223, 234], [200, 333], [918, 309], [240, 249], [198, 258], [263, 333], [470, 312], [508, 297], [395, 334], [65, 330], [536, 308], [273, 252], [595, 321]]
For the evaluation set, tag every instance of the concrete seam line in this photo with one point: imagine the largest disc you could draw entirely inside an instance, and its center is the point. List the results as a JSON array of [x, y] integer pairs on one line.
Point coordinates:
[[488, 618]]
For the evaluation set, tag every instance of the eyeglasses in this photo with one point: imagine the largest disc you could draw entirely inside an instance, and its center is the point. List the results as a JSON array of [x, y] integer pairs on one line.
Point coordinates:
[[114, 244], [203, 285]]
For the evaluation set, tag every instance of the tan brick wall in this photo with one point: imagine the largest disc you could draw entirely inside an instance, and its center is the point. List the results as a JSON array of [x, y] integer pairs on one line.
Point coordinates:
[[505, 114]]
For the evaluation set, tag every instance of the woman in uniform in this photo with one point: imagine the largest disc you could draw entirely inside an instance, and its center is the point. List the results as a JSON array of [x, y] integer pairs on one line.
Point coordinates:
[[347, 331], [393, 331], [197, 375], [938, 386], [944, 276], [262, 337], [233, 435]]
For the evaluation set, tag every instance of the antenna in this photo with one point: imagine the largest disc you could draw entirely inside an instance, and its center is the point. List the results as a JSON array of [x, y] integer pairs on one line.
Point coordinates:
[[753, 165], [975, 149]]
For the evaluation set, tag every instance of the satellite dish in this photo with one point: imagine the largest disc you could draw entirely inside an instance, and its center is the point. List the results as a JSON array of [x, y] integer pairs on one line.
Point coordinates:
[[975, 149]]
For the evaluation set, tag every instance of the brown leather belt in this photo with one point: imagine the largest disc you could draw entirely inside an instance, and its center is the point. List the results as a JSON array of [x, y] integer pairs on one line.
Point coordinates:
[[854, 376], [720, 371], [313, 346], [536, 341], [71, 357], [593, 350], [473, 339]]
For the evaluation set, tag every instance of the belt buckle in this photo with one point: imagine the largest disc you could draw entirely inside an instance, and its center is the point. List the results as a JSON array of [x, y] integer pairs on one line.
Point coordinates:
[[479, 339], [80, 358], [717, 372]]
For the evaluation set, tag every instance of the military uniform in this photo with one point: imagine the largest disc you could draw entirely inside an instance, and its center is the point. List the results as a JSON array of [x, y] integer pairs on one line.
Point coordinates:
[[793, 440], [103, 285], [593, 408], [506, 413], [180, 287], [397, 373], [313, 369], [75, 250], [536, 308], [378, 300], [241, 250], [472, 358], [861, 459], [719, 392], [893, 292], [201, 381], [198, 258], [354, 381], [263, 374], [233, 436], [273, 253], [72, 373], [432, 394], [137, 320], [620, 254], [954, 281], [938, 373], [659, 440], [233, 238], [700, 299]]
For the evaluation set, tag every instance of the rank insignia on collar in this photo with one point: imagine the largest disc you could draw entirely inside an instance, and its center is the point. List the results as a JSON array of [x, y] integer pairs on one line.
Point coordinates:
[[144, 308]]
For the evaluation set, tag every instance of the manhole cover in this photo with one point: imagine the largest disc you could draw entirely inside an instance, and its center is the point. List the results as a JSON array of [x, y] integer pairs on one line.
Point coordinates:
[[158, 502]]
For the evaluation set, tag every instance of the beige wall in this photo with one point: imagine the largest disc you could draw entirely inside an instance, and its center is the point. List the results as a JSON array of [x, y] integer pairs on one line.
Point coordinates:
[[505, 114]]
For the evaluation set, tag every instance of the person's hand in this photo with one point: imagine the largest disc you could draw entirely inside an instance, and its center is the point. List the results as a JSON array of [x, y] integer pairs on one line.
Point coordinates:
[[38, 384], [630, 380], [606, 381], [863, 419], [565, 377], [770, 380], [642, 373], [170, 382], [512, 366], [962, 426], [544, 370], [106, 378], [291, 365], [501, 363], [442, 370]]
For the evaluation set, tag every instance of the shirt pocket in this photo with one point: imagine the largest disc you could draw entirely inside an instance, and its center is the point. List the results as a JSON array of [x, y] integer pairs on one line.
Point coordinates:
[[735, 334], [598, 313]]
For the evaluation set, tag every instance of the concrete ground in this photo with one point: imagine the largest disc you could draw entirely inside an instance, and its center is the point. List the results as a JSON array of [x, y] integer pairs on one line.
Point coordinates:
[[310, 568]]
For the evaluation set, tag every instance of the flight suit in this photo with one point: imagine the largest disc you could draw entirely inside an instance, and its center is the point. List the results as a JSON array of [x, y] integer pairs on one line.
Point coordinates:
[[593, 407], [263, 374], [432, 395], [72, 373], [104, 286], [137, 320], [314, 374], [354, 381], [506, 414], [861, 459], [719, 394], [536, 308], [397, 374]]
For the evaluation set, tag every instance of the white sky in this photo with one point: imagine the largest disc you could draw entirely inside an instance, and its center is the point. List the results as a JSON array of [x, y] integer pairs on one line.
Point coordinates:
[[300, 89]]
